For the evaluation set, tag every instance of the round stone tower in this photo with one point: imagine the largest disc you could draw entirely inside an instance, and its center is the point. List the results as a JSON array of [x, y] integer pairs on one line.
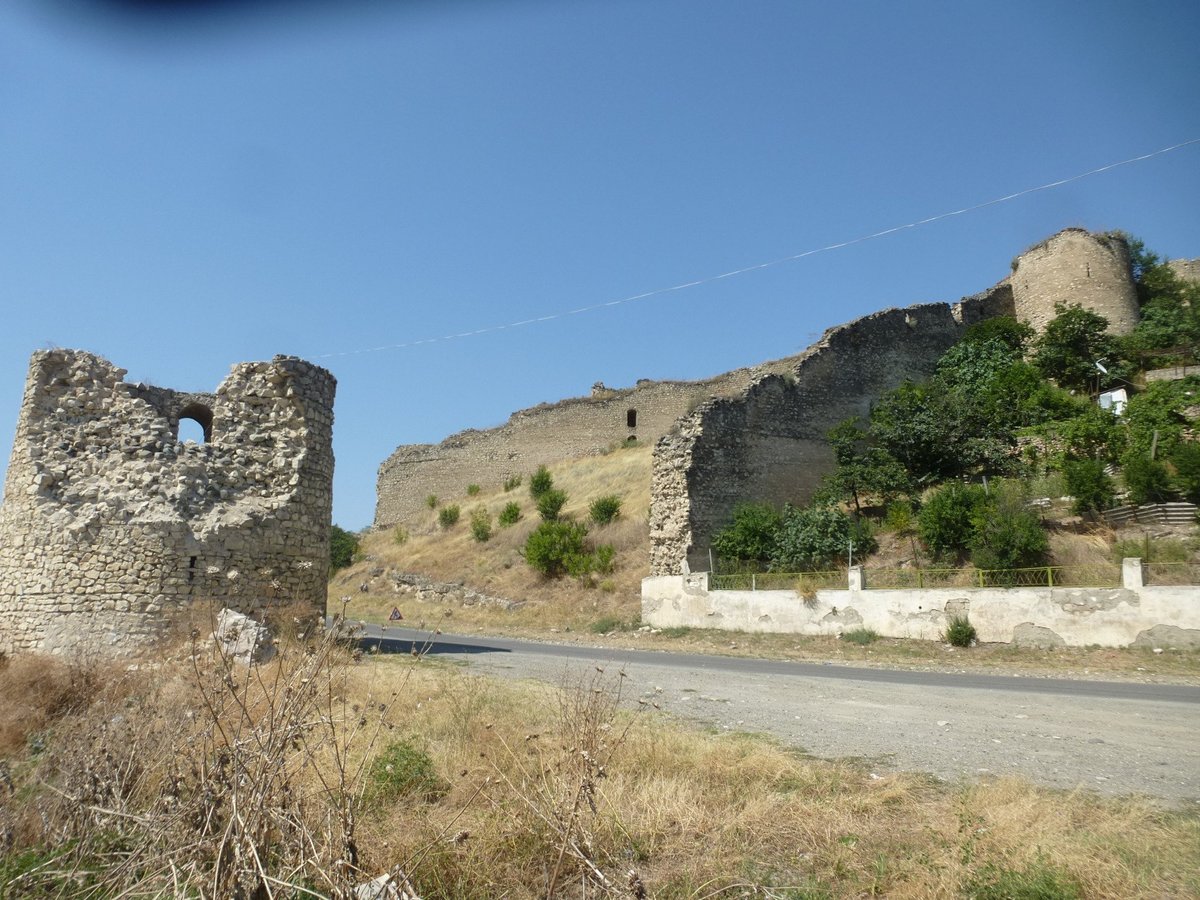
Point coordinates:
[[111, 527], [1076, 267]]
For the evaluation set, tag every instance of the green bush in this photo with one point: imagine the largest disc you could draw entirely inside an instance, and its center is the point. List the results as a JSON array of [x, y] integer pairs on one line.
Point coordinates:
[[510, 515], [945, 521], [399, 536], [751, 534], [861, 636], [481, 525], [959, 632], [816, 537], [603, 559], [540, 482], [604, 509], [448, 516], [1146, 479], [512, 481], [432, 501], [605, 624], [1006, 533], [550, 504], [1089, 486], [343, 545], [472, 490], [1186, 460], [554, 548], [402, 771]]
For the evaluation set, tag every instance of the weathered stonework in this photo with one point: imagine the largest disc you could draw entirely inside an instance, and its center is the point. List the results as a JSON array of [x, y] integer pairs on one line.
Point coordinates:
[[768, 443], [542, 435], [1076, 267], [110, 526], [1187, 269]]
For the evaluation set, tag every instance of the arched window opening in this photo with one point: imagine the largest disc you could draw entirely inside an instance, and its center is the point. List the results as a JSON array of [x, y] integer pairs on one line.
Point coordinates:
[[631, 418], [195, 423]]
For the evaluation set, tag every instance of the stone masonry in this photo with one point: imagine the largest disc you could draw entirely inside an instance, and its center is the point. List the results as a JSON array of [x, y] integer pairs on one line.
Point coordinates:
[[1077, 267], [111, 528]]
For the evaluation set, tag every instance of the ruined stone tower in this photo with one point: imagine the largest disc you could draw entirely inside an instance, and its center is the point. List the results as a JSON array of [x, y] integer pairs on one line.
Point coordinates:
[[1076, 267], [111, 526]]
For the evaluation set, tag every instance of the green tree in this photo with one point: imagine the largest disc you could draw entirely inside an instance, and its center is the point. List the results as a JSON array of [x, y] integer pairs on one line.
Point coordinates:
[[540, 482], [550, 504], [1186, 460], [863, 470], [750, 536], [343, 545], [1073, 342]]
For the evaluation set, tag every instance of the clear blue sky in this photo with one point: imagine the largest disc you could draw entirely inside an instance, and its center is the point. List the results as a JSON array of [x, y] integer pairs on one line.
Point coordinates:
[[182, 191]]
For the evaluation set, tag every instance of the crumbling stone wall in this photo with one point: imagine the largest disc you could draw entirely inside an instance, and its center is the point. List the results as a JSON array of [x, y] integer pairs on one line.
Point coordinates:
[[1076, 267], [1187, 269], [768, 443], [110, 526], [542, 435]]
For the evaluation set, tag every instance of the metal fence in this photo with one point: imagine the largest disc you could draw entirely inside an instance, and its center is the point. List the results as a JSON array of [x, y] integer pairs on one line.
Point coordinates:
[[909, 579], [1171, 573]]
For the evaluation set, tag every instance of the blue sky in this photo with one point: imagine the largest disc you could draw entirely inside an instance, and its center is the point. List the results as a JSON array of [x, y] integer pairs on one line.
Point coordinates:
[[180, 191]]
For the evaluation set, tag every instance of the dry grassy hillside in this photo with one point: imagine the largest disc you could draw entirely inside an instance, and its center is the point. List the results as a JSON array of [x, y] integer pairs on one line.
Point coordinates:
[[496, 567]]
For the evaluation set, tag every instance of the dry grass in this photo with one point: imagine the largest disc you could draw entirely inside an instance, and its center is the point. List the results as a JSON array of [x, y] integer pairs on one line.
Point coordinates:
[[547, 793]]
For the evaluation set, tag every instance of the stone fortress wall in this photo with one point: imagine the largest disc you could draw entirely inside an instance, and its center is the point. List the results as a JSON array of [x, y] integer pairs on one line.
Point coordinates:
[[542, 435], [110, 526]]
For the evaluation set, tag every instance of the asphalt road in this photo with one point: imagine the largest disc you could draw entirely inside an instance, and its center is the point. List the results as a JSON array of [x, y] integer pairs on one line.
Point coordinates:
[[1111, 737]]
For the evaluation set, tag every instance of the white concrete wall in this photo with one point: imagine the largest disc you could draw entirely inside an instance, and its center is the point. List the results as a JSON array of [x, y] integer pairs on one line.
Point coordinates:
[[1109, 617]]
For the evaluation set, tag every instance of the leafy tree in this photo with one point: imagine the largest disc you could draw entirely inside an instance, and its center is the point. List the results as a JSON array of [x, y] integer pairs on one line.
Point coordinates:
[[751, 534], [946, 521], [1158, 410], [1089, 485], [817, 536], [343, 545], [863, 470], [1005, 330], [1073, 342]]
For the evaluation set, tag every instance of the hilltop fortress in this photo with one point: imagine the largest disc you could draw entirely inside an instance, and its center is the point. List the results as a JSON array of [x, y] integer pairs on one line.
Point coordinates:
[[111, 527], [758, 433]]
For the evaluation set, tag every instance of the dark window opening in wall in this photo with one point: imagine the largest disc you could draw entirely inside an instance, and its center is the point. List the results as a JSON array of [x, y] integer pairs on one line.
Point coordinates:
[[631, 418], [192, 415], [192, 569]]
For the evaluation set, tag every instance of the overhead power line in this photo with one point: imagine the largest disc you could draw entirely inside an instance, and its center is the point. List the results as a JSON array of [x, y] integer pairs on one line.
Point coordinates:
[[633, 298]]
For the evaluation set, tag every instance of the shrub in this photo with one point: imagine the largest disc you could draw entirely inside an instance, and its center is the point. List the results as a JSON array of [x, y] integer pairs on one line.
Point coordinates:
[[604, 509], [472, 490], [512, 481], [1186, 460], [945, 521], [603, 558], [432, 501], [481, 525], [343, 545], [550, 504], [605, 624], [1146, 479], [448, 516], [816, 537], [555, 547], [959, 632], [861, 636], [751, 534], [402, 770], [399, 536], [1089, 486], [540, 482], [510, 515], [1007, 534]]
